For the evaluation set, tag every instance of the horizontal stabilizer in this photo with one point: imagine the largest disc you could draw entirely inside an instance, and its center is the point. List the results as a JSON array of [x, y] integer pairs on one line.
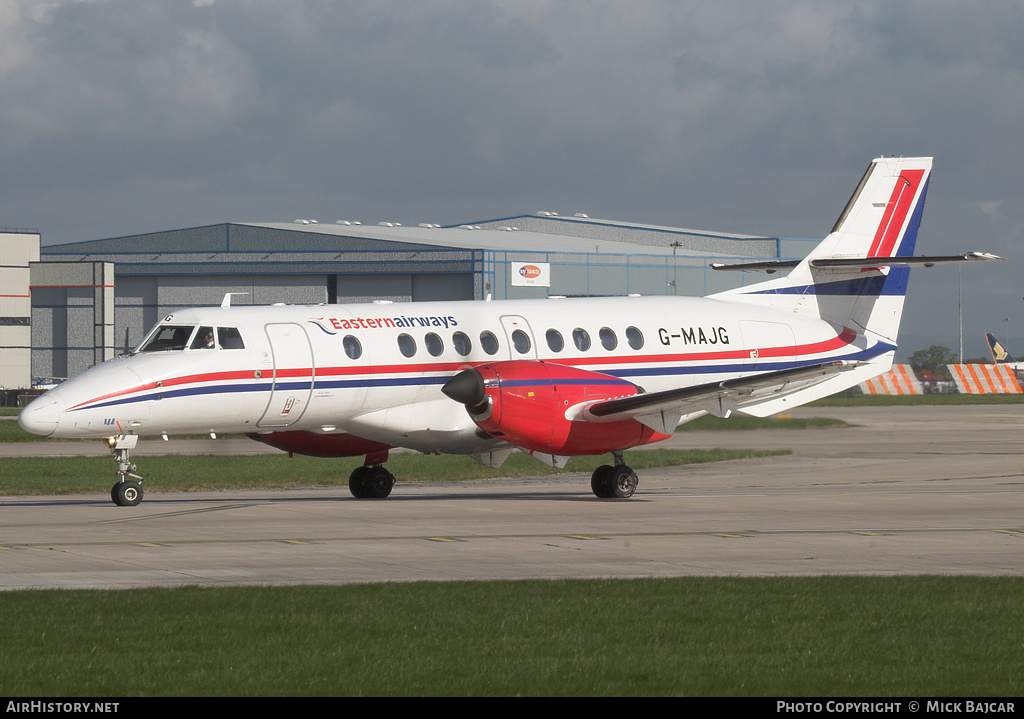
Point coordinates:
[[770, 266]]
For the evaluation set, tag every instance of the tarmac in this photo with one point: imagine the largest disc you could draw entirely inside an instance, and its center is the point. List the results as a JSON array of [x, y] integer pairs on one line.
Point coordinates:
[[901, 490]]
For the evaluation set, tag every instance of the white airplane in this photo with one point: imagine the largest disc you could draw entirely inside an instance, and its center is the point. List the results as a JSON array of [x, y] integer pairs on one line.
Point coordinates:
[[553, 377]]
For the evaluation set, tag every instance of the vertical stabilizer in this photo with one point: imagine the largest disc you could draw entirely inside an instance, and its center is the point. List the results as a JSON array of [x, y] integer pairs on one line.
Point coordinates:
[[881, 221], [999, 353]]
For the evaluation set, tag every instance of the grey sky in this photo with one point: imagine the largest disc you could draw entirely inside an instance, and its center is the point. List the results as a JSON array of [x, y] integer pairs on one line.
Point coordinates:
[[129, 116]]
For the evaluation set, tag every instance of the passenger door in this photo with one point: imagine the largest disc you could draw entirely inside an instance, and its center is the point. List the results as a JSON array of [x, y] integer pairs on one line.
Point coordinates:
[[519, 337], [292, 357]]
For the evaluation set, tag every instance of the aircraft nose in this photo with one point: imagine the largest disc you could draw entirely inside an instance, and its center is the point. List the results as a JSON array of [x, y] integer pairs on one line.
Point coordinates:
[[40, 416]]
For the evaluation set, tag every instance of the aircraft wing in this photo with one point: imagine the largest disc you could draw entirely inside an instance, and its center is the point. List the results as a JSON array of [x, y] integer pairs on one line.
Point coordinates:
[[771, 266], [662, 411]]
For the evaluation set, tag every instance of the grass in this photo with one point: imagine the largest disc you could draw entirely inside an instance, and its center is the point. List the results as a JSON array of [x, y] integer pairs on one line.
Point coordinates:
[[793, 637], [67, 475]]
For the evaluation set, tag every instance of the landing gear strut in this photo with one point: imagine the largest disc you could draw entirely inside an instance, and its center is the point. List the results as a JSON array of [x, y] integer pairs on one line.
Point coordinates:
[[618, 482], [374, 482], [125, 492]]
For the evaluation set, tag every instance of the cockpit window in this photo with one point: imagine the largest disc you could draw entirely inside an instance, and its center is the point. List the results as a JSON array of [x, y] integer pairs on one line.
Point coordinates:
[[204, 339], [171, 338], [229, 338], [167, 338]]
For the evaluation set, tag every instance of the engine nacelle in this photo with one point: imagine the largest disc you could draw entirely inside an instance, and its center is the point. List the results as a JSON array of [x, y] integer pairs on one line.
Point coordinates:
[[525, 403]]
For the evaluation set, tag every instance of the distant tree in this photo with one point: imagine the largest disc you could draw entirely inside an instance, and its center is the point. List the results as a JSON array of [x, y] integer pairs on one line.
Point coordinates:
[[934, 359]]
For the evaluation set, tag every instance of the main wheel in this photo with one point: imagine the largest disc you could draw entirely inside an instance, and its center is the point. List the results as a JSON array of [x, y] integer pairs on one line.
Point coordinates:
[[126, 493], [379, 482], [623, 481]]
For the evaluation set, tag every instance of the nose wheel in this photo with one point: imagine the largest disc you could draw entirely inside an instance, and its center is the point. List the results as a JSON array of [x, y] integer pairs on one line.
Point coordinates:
[[126, 493]]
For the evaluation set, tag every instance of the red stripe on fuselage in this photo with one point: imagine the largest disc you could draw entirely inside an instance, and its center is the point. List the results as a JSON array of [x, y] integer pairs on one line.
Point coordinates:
[[173, 382], [846, 337]]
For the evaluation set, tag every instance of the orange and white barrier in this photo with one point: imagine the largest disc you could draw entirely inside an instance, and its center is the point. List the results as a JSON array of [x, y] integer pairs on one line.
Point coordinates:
[[984, 379], [899, 380]]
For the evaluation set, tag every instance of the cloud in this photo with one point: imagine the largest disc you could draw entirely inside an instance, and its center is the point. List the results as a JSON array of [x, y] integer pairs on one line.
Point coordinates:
[[119, 69]]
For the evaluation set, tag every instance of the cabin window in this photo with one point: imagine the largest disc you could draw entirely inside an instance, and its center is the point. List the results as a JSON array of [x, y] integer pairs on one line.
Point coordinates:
[[635, 337], [581, 338], [352, 346], [521, 341], [555, 341], [168, 338], [608, 339], [407, 345], [229, 339], [489, 342], [434, 344], [463, 345]]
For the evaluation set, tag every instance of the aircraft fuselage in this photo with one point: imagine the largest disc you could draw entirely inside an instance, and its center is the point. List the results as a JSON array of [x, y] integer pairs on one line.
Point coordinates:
[[376, 370]]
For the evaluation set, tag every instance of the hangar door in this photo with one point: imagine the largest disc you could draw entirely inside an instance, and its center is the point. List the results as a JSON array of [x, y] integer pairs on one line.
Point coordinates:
[[345, 289]]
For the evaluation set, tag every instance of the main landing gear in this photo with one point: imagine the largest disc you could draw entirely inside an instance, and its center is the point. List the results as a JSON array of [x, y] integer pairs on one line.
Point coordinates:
[[618, 482], [125, 492], [371, 482]]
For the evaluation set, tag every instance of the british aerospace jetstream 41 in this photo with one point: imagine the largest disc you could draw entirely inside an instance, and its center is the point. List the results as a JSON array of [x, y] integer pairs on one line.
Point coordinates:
[[551, 377]]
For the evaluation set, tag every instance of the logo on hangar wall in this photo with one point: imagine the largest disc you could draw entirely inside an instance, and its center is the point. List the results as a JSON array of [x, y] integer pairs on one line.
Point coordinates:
[[530, 274]]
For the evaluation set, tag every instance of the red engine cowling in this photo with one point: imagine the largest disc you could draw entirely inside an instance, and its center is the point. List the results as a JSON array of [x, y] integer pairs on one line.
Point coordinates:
[[323, 445], [525, 402]]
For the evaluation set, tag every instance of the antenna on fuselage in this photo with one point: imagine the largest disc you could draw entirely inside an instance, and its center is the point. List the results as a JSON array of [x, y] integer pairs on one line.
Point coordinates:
[[227, 298]]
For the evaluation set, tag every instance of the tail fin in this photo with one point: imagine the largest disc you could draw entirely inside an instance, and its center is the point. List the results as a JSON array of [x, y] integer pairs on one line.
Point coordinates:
[[839, 280], [999, 353]]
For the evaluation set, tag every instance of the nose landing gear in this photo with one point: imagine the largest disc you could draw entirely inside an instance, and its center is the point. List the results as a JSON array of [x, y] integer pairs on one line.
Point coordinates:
[[125, 492]]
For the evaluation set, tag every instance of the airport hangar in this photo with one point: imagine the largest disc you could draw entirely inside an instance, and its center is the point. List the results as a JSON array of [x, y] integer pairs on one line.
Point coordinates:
[[90, 299]]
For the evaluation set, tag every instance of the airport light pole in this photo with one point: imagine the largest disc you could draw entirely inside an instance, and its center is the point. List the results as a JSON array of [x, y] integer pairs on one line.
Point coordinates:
[[675, 268]]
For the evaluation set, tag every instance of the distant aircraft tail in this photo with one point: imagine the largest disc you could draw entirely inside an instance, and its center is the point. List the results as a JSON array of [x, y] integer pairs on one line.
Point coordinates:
[[850, 278], [999, 353]]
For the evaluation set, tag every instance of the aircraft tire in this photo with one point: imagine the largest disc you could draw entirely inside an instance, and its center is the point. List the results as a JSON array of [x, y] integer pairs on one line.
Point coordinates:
[[379, 483], [358, 482], [623, 481], [127, 493], [600, 482]]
